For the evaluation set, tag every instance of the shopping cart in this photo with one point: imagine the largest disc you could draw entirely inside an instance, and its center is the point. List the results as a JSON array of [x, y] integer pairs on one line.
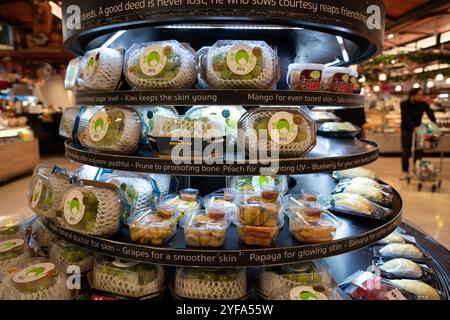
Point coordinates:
[[427, 137]]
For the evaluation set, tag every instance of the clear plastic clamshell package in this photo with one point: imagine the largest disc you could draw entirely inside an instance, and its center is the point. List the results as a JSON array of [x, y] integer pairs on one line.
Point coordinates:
[[154, 226], [239, 64], [355, 204], [337, 79], [100, 69], [72, 74], [205, 229], [34, 279], [256, 183], [11, 227], [261, 211], [127, 278], [264, 236], [160, 64], [222, 202], [12, 251], [288, 131], [354, 173], [47, 188], [67, 123], [93, 208], [210, 284], [44, 237], [187, 199], [372, 191], [305, 76], [338, 130], [401, 268], [64, 254]]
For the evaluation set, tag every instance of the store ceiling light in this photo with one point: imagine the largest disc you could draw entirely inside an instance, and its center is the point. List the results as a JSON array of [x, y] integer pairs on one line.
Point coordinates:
[[56, 9], [113, 38], [362, 79], [332, 63], [382, 77], [440, 77], [427, 42], [393, 61], [447, 81], [445, 37], [376, 88], [430, 84], [443, 96], [391, 36], [345, 56], [416, 86], [398, 88]]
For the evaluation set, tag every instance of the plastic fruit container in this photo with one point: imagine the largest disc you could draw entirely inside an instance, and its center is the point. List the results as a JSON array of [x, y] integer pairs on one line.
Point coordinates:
[[238, 64], [241, 184], [11, 227], [201, 230], [336, 79], [186, 200], [259, 236], [68, 122], [305, 76], [254, 212], [72, 74], [288, 131], [12, 251], [64, 254], [160, 64], [154, 226]]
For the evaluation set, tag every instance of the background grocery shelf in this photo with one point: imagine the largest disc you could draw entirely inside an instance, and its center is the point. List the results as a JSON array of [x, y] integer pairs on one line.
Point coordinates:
[[328, 155], [353, 233], [241, 97]]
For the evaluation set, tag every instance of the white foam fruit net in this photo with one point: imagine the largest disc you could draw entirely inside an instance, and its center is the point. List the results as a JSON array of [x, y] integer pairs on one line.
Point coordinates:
[[62, 263], [107, 73], [265, 79], [140, 194], [293, 149], [111, 283], [6, 263], [163, 183], [58, 186], [208, 289], [185, 74], [123, 138], [43, 236], [107, 219], [67, 122]]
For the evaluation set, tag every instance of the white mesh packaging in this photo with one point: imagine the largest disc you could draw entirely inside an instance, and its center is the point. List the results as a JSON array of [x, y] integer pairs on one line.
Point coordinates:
[[72, 74], [195, 285], [43, 236], [163, 183], [109, 129], [67, 122], [185, 126], [139, 191], [100, 69], [61, 252], [236, 64], [11, 227], [12, 252], [91, 210], [161, 64]]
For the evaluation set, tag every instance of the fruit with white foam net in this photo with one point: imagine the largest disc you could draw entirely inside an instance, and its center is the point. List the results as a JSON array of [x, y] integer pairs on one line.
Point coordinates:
[[64, 254]]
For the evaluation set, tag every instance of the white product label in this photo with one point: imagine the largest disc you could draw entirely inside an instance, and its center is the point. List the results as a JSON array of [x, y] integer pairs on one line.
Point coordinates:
[[257, 182], [157, 225], [74, 207], [282, 129], [36, 193], [213, 226], [124, 264], [306, 293], [241, 58], [98, 126], [154, 59], [10, 244], [33, 273], [91, 63], [395, 294]]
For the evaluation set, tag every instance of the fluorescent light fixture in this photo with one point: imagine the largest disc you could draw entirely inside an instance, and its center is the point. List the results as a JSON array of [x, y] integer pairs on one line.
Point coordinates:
[[376, 88], [430, 84], [440, 77], [391, 36], [427, 42], [345, 56], [445, 37], [393, 61], [443, 96], [447, 81], [228, 27], [332, 63], [416, 86], [56, 9], [418, 70], [398, 88], [382, 77], [362, 79], [113, 38]]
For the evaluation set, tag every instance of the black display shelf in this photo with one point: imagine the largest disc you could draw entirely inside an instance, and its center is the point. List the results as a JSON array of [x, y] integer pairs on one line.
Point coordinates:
[[353, 234], [310, 26], [241, 97], [328, 155]]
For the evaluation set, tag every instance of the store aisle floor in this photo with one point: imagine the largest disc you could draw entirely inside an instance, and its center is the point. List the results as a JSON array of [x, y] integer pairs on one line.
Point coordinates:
[[429, 211]]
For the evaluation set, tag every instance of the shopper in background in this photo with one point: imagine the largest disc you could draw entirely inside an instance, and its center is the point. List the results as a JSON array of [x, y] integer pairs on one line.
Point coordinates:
[[412, 113]]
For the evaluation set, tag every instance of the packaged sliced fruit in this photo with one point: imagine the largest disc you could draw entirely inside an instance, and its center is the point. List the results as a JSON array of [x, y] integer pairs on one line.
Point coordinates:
[[67, 123], [260, 235], [288, 131], [257, 211], [160, 64], [336, 79], [211, 283], [323, 116], [401, 268], [100, 69], [305, 76], [44, 237], [353, 85], [303, 199], [154, 226], [364, 285], [369, 182], [308, 293], [229, 115], [34, 279], [400, 250], [354, 204], [72, 74], [94, 208], [127, 278], [254, 183], [187, 199], [398, 236], [64, 254], [369, 192], [314, 274], [12, 252], [12, 227], [221, 203], [312, 224], [47, 188], [354, 173], [338, 130], [202, 229], [422, 290]]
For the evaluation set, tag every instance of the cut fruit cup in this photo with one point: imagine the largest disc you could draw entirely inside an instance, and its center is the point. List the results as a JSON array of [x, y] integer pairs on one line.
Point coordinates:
[[154, 226], [187, 199], [303, 199], [205, 229], [312, 224], [220, 204], [263, 210], [260, 235]]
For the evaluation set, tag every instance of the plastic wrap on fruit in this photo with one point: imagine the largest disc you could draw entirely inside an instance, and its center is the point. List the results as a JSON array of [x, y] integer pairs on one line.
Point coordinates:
[[12, 251], [354, 173], [240, 64], [211, 284], [47, 188], [203, 229], [187, 199], [154, 226], [402, 268], [44, 237], [72, 74], [34, 279], [64, 254], [186, 126], [256, 183], [100, 69], [305, 77], [109, 129], [92, 208], [337, 79], [400, 250], [67, 123], [127, 278], [220, 204], [288, 131], [160, 64], [422, 290], [11, 227]]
